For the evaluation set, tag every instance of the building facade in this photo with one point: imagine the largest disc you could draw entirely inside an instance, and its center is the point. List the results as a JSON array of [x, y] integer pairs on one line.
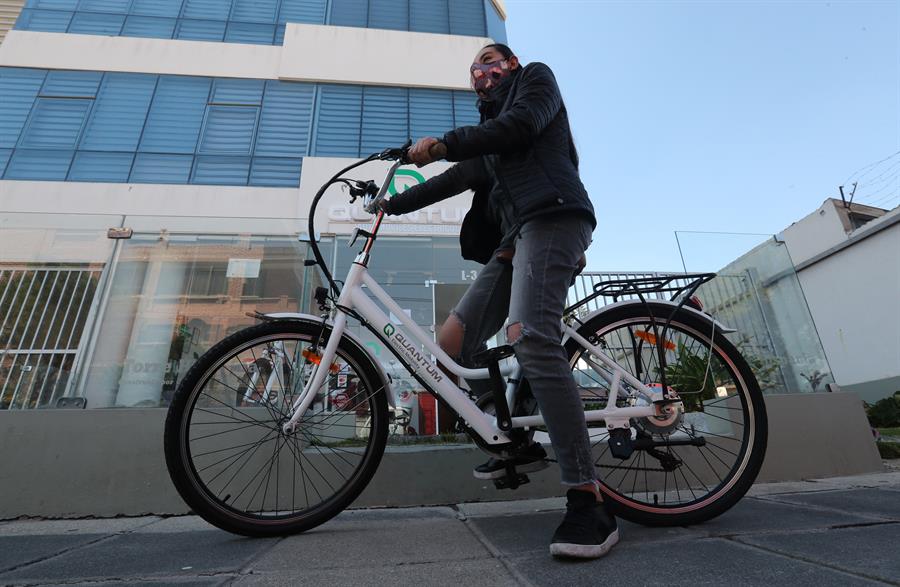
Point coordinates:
[[847, 259], [204, 128]]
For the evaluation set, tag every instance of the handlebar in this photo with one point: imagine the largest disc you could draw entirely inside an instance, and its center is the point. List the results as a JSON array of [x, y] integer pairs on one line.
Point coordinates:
[[399, 155]]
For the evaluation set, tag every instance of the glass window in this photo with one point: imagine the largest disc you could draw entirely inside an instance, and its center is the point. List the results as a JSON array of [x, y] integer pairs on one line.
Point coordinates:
[[467, 17], [430, 112], [37, 164], [389, 14], [349, 12], [275, 172], [117, 118], [72, 84], [251, 33], [55, 123], [254, 11], [116, 6], [49, 21], [200, 30], [309, 11], [149, 26], [108, 167], [88, 23], [170, 8], [161, 168], [285, 119], [18, 90], [247, 92], [219, 170], [172, 299], [429, 16], [338, 128], [228, 130], [211, 9], [173, 124], [384, 119]]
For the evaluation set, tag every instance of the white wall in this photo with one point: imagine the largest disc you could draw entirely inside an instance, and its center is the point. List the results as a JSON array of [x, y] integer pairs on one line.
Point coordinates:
[[226, 209], [815, 233], [357, 55], [854, 298], [310, 53]]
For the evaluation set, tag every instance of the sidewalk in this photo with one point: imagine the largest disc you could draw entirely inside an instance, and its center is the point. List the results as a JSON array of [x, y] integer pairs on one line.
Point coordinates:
[[843, 531]]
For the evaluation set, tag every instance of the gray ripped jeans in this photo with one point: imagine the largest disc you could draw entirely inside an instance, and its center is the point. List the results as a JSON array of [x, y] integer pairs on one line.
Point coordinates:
[[532, 292]]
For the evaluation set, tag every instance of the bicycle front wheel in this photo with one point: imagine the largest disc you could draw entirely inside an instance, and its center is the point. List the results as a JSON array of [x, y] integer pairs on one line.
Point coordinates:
[[697, 463], [225, 446]]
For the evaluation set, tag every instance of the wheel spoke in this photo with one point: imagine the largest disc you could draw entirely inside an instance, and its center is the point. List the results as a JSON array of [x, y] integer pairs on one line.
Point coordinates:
[[240, 458]]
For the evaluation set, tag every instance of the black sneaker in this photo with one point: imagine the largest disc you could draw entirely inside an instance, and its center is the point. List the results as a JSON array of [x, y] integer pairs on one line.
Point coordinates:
[[531, 460], [589, 530]]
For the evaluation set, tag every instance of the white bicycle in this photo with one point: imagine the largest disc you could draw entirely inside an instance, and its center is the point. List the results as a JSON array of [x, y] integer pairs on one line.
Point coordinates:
[[676, 418]]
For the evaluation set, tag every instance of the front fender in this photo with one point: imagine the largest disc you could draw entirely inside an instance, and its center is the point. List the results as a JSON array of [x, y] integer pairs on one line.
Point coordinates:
[[719, 326], [353, 340]]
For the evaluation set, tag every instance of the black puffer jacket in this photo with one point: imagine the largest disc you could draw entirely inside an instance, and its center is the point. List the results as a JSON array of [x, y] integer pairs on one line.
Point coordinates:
[[521, 163]]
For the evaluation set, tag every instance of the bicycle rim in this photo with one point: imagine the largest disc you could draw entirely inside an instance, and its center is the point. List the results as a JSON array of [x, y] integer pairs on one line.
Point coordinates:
[[717, 407], [237, 456]]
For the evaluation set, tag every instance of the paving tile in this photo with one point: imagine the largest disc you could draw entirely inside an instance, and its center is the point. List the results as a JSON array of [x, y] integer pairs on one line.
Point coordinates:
[[442, 574], [710, 561], [505, 508], [74, 526], [762, 515], [20, 549], [531, 532], [361, 541], [867, 550], [178, 524], [146, 556], [180, 582], [870, 502]]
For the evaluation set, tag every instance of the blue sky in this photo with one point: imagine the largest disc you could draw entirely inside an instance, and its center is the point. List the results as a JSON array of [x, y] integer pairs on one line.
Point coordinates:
[[725, 116]]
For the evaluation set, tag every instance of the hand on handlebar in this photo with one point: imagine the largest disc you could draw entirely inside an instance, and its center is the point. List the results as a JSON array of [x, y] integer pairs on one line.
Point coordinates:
[[426, 150]]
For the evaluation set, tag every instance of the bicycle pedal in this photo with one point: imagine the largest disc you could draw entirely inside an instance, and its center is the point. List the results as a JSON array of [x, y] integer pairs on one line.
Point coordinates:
[[511, 483]]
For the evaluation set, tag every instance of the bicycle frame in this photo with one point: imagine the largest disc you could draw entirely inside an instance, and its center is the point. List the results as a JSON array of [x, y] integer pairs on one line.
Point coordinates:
[[406, 340]]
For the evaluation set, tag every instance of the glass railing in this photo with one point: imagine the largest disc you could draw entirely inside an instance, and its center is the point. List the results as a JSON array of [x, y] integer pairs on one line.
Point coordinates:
[[108, 311]]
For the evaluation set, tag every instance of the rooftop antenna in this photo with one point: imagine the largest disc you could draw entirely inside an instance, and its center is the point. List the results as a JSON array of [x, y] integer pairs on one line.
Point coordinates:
[[847, 204]]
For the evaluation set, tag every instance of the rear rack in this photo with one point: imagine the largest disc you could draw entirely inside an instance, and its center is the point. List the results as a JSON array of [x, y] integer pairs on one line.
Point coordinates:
[[640, 286]]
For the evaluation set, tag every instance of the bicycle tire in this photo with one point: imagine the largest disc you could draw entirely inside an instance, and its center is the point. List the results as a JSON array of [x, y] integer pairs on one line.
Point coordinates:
[[753, 446], [198, 495]]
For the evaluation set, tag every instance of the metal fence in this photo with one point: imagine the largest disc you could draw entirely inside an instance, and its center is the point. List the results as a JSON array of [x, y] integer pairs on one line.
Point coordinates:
[[43, 312]]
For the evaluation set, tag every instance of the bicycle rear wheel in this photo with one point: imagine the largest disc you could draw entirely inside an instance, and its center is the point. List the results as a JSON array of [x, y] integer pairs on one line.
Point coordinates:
[[698, 464], [225, 446]]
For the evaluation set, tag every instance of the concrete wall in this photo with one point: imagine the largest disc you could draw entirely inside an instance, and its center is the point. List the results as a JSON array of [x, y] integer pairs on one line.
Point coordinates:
[[310, 53], [185, 207], [110, 462]]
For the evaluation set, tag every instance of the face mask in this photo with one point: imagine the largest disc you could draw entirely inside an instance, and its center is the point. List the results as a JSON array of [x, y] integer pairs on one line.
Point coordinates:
[[487, 76]]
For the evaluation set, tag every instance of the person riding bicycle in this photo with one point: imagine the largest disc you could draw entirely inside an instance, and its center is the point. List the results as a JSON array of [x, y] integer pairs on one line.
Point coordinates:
[[530, 222]]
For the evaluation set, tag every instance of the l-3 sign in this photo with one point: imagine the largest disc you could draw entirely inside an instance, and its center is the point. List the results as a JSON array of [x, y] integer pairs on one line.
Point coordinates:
[[338, 216]]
